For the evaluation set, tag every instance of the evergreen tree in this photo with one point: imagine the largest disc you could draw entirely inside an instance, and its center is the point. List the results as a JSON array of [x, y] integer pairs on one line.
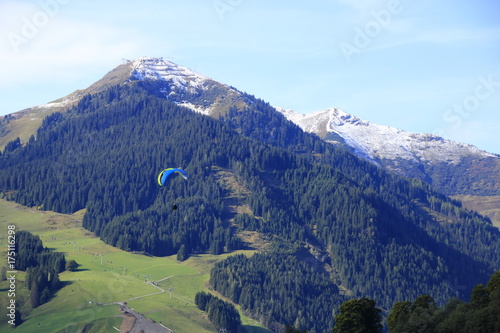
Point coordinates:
[[222, 314], [399, 314], [479, 315], [278, 289], [12, 145], [291, 329], [54, 282], [182, 253], [71, 265], [42, 267], [35, 293], [18, 320], [201, 300], [358, 316]]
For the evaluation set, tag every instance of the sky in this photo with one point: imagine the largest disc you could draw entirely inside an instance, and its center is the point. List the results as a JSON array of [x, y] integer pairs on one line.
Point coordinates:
[[420, 66]]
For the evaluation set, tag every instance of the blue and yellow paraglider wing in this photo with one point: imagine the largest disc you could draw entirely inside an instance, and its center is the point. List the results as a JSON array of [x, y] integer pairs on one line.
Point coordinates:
[[165, 174]]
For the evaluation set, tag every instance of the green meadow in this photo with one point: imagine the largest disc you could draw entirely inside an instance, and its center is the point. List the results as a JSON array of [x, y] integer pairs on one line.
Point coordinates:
[[106, 275]]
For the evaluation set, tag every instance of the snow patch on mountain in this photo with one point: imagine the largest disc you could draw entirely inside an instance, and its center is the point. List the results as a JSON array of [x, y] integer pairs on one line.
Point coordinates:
[[312, 123], [376, 142], [196, 108], [61, 103], [184, 86], [148, 68]]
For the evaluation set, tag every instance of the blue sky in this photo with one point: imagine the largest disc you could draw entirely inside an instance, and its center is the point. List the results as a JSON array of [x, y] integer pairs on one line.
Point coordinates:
[[421, 66]]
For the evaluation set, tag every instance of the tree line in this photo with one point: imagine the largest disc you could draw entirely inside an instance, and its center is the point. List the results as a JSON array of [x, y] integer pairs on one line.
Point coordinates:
[[480, 314], [42, 267], [221, 313], [31, 253]]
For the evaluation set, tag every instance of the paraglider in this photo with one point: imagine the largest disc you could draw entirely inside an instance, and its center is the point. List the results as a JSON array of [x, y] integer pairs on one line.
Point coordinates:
[[165, 174]]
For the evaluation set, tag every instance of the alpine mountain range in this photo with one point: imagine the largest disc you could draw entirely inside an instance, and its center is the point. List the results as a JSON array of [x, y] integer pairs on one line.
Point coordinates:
[[346, 208], [452, 167]]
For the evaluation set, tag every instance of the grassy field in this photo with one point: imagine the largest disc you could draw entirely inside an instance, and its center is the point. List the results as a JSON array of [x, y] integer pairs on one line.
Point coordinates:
[[24, 126], [107, 275], [487, 206]]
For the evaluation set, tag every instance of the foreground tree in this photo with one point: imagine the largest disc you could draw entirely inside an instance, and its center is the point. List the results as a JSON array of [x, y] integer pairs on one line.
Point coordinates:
[[399, 314], [479, 315], [358, 316]]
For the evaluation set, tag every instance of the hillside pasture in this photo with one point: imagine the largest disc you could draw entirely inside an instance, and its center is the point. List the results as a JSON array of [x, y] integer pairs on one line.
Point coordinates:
[[486, 205], [105, 276]]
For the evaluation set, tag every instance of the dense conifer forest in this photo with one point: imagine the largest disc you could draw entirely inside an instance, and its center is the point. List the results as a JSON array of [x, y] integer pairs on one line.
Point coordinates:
[[42, 267], [279, 289], [31, 253], [378, 235]]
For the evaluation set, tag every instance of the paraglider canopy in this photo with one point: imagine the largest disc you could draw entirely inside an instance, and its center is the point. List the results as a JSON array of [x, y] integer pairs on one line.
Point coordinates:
[[165, 174]]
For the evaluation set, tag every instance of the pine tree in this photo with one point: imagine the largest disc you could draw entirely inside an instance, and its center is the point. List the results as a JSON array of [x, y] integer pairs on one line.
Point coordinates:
[[182, 253], [19, 320], [54, 282], [71, 265], [35, 294]]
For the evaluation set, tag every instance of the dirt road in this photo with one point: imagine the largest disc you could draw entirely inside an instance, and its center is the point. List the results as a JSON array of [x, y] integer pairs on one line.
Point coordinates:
[[141, 323]]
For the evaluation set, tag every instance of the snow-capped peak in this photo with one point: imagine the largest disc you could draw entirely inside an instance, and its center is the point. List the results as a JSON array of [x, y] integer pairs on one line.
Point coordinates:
[[377, 142], [149, 68]]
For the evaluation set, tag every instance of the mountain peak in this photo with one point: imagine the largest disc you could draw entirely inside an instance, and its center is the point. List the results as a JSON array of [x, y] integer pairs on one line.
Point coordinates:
[[150, 68], [207, 96], [375, 141]]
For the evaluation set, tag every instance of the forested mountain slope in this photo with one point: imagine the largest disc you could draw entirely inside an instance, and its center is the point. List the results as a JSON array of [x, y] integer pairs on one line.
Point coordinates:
[[380, 235], [451, 167]]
